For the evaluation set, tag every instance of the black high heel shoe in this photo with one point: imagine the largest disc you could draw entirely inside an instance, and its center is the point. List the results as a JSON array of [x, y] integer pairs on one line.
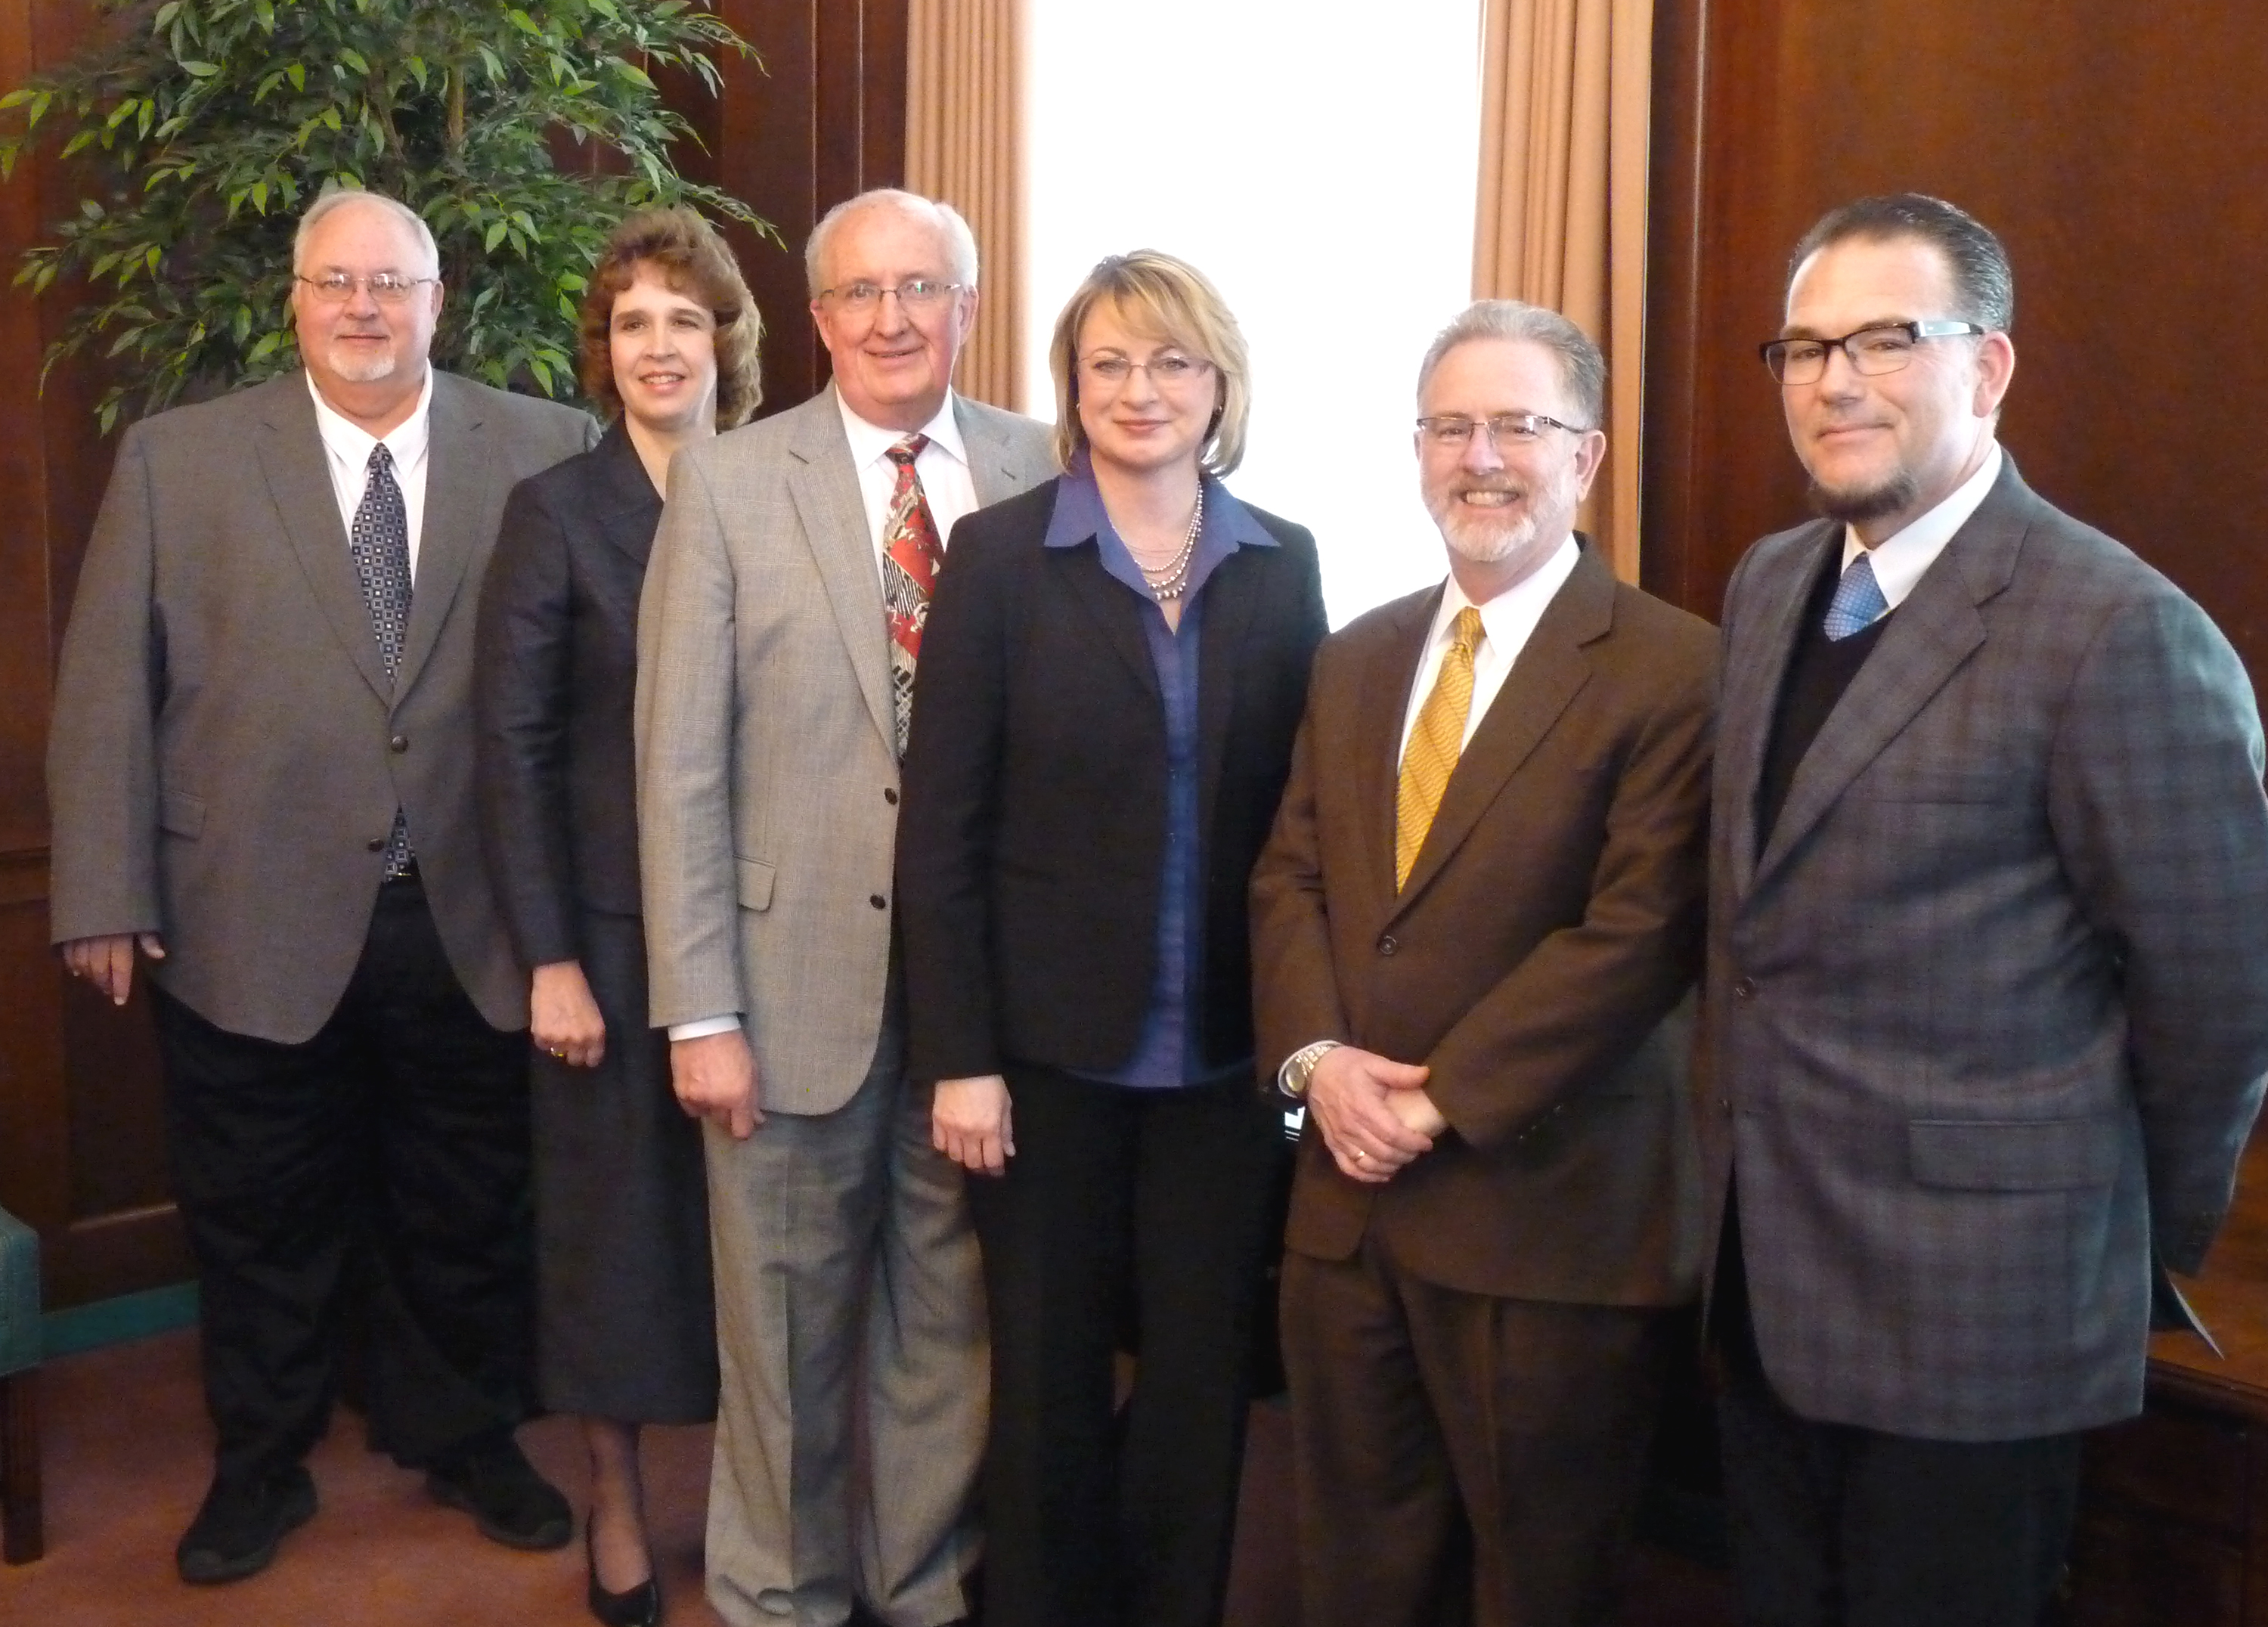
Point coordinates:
[[633, 1607]]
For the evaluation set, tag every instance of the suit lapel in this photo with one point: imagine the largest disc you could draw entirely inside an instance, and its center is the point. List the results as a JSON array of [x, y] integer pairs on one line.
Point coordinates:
[[1928, 639], [1753, 678], [1383, 704], [1547, 674], [629, 509], [296, 468], [994, 468], [1110, 606], [825, 488], [458, 478], [1231, 596]]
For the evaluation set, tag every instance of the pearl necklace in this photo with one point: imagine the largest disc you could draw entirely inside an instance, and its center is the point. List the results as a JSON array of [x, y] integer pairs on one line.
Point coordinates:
[[1171, 580]]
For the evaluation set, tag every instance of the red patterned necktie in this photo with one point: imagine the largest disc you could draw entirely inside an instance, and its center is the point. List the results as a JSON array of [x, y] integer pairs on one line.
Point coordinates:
[[911, 557]]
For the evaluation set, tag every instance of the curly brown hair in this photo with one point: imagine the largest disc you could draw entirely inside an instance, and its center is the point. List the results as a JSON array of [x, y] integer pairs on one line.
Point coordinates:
[[694, 259]]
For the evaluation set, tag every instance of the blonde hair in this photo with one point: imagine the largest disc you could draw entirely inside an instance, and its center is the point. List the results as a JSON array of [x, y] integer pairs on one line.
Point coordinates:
[[1170, 300]]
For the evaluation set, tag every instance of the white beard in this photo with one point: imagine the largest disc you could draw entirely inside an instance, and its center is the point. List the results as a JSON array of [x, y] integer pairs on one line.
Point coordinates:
[[369, 372]]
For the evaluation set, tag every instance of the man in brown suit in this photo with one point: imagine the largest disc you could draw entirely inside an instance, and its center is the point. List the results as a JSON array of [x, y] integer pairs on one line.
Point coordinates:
[[1482, 899]]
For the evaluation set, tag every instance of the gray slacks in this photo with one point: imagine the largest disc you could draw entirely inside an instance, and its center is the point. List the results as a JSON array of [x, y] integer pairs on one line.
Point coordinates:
[[851, 1342]]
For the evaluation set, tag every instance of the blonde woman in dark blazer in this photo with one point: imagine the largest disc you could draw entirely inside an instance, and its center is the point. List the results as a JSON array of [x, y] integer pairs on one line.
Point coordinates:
[[1111, 677]]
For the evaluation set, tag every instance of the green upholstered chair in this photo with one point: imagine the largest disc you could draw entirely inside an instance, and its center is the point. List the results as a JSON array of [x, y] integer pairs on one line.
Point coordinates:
[[20, 1537]]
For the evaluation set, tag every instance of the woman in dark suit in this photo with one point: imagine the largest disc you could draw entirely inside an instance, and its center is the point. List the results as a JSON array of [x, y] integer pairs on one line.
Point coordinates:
[[1111, 677], [624, 1325]]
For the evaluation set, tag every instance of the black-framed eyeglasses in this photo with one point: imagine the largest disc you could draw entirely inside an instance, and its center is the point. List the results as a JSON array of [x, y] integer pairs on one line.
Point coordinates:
[[386, 287], [1504, 429], [1874, 351], [918, 293]]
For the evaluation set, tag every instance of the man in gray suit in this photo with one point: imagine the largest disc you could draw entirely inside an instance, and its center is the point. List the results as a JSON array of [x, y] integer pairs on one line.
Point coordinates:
[[778, 641], [261, 773], [1987, 991]]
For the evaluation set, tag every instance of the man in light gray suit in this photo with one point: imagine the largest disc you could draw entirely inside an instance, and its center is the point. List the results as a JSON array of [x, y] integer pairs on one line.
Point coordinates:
[[1987, 989], [778, 641], [261, 773]]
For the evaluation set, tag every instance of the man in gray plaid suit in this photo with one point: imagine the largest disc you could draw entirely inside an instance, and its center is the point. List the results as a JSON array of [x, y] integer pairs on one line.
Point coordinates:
[[1987, 989]]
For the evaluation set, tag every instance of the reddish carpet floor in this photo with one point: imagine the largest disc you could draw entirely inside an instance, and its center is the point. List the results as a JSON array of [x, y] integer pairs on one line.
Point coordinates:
[[126, 1457]]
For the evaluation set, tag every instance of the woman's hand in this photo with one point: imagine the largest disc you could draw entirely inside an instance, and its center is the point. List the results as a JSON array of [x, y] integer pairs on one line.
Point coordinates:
[[563, 1018], [969, 1123]]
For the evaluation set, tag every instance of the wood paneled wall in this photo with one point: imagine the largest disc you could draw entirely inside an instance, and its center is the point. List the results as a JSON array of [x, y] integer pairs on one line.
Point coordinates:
[[81, 1141], [2117, 151]]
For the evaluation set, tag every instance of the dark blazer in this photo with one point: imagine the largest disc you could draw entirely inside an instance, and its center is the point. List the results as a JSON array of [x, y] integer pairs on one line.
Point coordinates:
[[1988, 1012], [554, 684], [1551, 921], [228, 752], [1033, 837]]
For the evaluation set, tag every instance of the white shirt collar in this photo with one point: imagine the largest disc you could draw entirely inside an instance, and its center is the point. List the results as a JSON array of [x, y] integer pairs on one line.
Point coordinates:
[[1508, 619], [870, 443], [1901, 559], [349, 443]]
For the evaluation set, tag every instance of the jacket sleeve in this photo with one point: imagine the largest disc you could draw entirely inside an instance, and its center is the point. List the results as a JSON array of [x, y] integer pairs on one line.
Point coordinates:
[[950, 817], [685, 710], [1295, 995], [522, 666], [102, 764], [2154, 798]]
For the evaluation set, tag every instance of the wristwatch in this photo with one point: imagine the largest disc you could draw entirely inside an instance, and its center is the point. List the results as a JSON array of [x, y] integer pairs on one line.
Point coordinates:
[[1299, 1067]]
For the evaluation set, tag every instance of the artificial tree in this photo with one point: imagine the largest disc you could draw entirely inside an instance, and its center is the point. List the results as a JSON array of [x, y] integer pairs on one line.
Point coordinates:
[[197, 129]]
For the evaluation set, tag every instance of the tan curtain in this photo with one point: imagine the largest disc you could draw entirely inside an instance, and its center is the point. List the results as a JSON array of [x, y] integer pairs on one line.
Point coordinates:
[[964, 105], [1562, 210]]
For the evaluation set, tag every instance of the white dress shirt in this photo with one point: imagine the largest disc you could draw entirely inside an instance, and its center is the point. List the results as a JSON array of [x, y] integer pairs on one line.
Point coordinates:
[[943, 467], [1506, 622], [346, 453], [951, 491], [1901, 559]]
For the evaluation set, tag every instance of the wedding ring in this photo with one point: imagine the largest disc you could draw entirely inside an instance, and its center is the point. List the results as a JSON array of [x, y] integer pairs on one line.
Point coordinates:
[[1360, 1156]]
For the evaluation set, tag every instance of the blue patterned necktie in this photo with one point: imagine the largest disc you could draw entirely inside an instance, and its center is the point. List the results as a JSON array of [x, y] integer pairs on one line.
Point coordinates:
[[1858, 601], [380, 543]]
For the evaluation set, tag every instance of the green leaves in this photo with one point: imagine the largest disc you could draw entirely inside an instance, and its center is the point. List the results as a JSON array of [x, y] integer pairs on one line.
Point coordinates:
[[198, 140]]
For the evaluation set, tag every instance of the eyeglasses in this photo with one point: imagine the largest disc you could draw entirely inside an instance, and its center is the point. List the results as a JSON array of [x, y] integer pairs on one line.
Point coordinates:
[[1504, 429], [386, 287], [1873, 351], [916, 294], [1167, 370]]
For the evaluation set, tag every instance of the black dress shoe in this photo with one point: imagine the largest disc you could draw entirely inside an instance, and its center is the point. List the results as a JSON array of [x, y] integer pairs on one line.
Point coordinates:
[[494, 1483], [633, 1607], [238, 1526]]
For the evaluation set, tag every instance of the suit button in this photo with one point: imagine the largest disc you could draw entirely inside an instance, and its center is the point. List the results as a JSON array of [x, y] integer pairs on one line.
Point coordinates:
[[1724, 1106], [399, 743], [376, 844], [890, 796], [1744, 988], [1388, 944], [879, 901]]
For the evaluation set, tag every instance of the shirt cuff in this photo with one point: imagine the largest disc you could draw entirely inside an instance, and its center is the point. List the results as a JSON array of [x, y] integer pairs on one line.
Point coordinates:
[[702, 1027]]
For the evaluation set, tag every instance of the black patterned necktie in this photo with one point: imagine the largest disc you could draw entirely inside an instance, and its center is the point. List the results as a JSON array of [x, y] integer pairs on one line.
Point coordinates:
[[380, 542]]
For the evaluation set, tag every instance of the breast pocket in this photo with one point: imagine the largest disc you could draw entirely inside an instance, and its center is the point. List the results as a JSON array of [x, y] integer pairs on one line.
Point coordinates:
[[181, 814], [752, 880]]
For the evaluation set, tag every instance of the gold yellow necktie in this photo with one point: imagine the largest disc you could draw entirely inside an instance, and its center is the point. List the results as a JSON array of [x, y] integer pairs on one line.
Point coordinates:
[[1434, 744]]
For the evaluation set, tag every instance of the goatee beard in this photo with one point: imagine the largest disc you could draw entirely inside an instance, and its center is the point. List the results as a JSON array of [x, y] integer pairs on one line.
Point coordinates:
[[1893, 495]]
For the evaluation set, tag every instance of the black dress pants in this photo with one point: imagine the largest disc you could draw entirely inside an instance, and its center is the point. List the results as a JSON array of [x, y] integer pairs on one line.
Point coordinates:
[[1092, 1518], [397, 1134], [1836, 1525]]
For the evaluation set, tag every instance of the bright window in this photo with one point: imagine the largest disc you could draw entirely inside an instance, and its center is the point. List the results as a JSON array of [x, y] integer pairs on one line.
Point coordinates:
[[1318, 163]]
